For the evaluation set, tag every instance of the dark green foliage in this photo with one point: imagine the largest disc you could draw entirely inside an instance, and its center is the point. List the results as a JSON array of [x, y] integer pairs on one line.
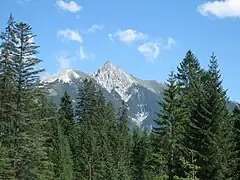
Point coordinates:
[[66, 115], [195, 136], [93, 157], [139, 155], [45, 113], [61, 134], [6, 170], [24, 133], [236, 120], [169, 133], [65, 164], [209, 130], [7, 92], [123, 144]]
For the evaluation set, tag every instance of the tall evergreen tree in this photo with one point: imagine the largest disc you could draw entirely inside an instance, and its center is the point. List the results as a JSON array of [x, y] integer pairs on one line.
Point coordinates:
[[64, 163], [139, 155], [24, 132], [188, 70], [91, 151], [6, 170], [28, 89], [207, 131], [236, 120], [169, 133], [7, 91], [45, 113], [66, 115], [64, 140], [123, 143]]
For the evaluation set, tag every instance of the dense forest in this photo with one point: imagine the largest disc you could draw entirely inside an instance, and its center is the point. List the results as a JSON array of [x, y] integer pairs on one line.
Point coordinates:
[[194, 137]]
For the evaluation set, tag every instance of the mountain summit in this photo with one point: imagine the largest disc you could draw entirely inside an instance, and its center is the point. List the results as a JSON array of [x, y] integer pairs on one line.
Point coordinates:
[[66, 76], [141, 96], [113, 78]]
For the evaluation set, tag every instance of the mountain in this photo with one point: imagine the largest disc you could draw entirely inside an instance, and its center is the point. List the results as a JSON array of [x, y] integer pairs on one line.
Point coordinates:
[[141, 96]]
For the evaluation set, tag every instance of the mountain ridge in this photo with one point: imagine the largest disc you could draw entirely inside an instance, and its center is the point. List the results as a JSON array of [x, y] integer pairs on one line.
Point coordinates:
[[141, 96]]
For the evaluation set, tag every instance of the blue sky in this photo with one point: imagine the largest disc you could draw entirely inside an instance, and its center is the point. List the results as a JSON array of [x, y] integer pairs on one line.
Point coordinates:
[[146, 38]]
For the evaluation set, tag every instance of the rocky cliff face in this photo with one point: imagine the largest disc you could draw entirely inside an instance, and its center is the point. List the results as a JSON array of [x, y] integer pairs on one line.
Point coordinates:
[[141, 96]]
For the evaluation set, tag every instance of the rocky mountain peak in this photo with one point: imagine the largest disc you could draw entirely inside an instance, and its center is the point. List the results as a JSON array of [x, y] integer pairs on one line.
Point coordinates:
[[114, 78], [65, 76]]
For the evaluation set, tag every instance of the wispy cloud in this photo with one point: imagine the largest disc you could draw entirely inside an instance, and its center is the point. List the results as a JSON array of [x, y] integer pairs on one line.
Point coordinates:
[[70, 35], [128, 36], [70, 6], [220, 9], [95, 27], [63, 62], [170, 43], [84, 55], [22, 1], [152, 50]]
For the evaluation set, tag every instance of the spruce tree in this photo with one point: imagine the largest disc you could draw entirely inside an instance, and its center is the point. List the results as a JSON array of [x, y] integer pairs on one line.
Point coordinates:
[[139, 155], [169, 132], [65, 163], [209, 130], [66, 115], [25, 135], [236, 120], [64, 140], [123, 143], [45, 113], [91, 151], [27, 151], [6, 170], [7, 91]]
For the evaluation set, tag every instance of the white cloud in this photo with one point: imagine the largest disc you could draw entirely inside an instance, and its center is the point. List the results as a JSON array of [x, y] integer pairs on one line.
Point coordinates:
[[150, 50], [22, 1], [221, 9], [171, 42], [63, 62], [128, 36], [84, 55], [95, 27], [70, 6], [70, 35]]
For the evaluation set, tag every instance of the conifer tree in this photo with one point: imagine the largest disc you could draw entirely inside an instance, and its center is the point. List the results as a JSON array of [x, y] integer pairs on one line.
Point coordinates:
[[61, 151], [27, 79], [84, 141], [45, 113], [91, 143], [236, 120], [139, 155], [6, 170], [25, 133], [7, 92], [123, 143], [188, 71], [169, 132], [66, 115], [65, 163], [209, 131]]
